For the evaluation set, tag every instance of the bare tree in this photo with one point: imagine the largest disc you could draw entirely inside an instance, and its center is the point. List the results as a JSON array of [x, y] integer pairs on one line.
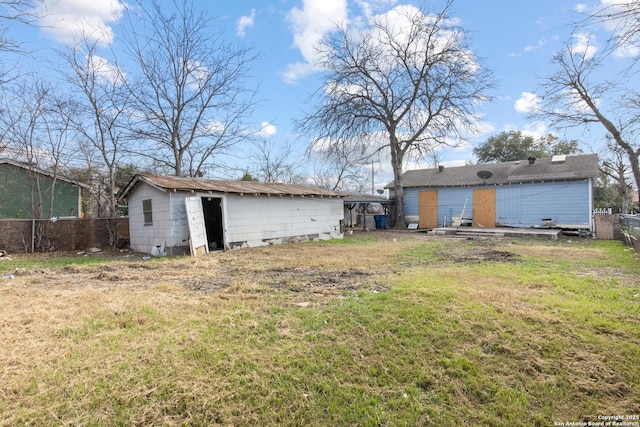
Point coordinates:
[[571, 97], [99, 122], [14, 12], [622, 17], [275, 163], [188, 98], [342, 166], [616, 167], [408, 83], [38, 123]]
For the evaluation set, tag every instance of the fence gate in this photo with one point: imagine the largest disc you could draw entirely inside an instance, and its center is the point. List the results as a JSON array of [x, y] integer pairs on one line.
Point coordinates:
[[607, 226]]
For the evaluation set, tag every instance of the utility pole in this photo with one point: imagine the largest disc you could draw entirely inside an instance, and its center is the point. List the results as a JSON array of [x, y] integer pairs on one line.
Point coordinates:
[[372, 180]]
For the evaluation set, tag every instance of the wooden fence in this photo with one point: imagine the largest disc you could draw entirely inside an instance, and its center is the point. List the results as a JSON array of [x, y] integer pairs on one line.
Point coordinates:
[[38, 235], [606, 226]]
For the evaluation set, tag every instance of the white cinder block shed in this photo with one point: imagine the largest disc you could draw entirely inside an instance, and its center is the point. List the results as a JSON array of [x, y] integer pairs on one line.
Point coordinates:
[[182, 215]]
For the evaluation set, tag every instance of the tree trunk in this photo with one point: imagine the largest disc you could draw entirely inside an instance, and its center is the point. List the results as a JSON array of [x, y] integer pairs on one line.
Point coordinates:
[[398, 188], [633, 155]]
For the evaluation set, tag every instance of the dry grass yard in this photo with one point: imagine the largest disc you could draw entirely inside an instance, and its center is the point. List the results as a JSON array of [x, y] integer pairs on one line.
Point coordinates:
[[377, 329]]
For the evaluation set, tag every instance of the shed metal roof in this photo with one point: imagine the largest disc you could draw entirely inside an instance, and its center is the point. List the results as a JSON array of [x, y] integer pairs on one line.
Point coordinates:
[[236, 187], [547, 169]]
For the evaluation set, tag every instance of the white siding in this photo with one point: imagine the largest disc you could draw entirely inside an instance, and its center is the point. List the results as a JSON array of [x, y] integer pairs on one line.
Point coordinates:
[[143, 237], [256, 221], [247, 220], [179, 226]]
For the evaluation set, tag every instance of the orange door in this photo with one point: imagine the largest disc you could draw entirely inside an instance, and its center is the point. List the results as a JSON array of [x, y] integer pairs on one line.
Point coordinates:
[[484, 207], [428, 209]]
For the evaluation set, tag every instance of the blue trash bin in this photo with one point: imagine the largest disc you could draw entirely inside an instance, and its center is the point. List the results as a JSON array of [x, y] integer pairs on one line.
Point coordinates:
[[381, 221]]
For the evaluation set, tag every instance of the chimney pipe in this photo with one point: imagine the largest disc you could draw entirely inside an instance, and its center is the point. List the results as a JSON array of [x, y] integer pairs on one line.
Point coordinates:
[[531, 159]]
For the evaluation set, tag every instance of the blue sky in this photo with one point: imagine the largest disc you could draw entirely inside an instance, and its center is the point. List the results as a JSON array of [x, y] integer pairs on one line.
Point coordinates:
[[516, 39]]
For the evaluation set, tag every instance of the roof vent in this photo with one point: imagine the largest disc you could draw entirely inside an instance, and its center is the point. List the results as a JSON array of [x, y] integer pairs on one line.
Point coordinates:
[[484, 175], [440, 168], [531, 159], [559, 158]]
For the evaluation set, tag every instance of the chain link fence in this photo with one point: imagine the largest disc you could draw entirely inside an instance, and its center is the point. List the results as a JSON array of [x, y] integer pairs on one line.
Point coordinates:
[[631, 230], [40, 235], [630, 222]]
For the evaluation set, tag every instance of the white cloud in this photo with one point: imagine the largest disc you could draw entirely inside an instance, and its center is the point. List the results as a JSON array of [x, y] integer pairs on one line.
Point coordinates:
[[536, 130], [576, 102], [105, 70], [245, 22], [198, 74], [68, 20], [369, 7], [309, 25], [536, 46], [527, 103], [627, 50], [580, 8], [214, 126], [298, 70], [267, 129], [584, 45], [317, 18]]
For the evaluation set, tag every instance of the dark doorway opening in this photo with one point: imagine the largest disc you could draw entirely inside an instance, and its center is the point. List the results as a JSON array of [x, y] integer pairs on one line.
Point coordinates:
[[212, 210]]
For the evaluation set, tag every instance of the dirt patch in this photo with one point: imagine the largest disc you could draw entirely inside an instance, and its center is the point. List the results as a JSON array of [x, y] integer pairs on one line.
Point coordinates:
[[475, 252], [294, 279], [296, 268], [318, 281], [490, 255], [261, 269]]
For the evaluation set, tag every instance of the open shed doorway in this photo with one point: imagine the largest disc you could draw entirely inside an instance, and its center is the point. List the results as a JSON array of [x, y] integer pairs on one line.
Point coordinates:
[[212, 209]]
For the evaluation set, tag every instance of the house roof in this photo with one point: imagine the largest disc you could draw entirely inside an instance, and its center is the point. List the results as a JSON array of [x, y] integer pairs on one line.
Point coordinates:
[[363, 198], [557, 168], [26, 166], [236, 187]]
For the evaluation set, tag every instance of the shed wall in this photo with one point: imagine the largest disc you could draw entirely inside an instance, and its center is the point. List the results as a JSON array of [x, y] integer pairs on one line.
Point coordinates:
[[144, 237], [248, 220], [256, 221]]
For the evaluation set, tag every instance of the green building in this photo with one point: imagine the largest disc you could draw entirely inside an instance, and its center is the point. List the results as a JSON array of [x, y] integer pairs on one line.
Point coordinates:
[[25, 192]]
